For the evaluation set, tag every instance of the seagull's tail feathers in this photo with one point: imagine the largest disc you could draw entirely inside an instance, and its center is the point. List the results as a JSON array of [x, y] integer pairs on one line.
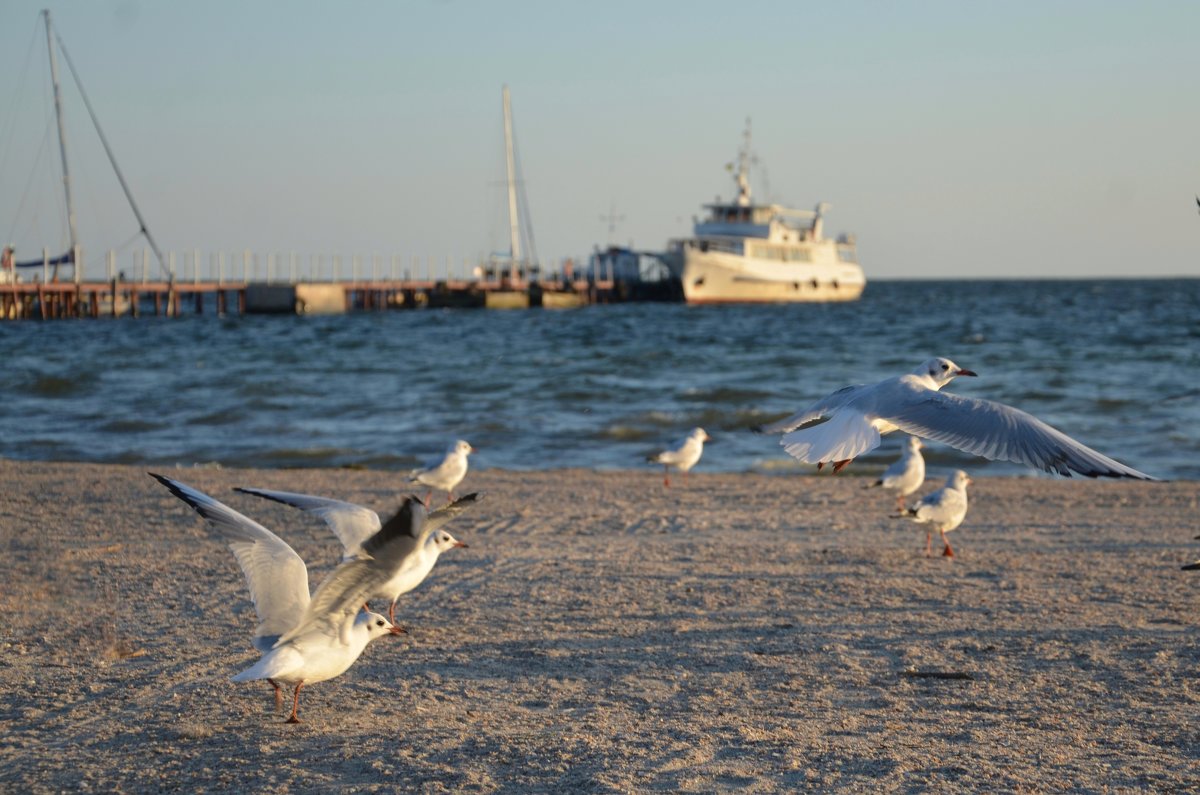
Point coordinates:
[[845, 436], [274, 665], [1192, 566]]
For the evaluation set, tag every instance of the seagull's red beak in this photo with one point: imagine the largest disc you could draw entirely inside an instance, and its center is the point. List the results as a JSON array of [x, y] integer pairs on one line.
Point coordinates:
[[397, 630], [967, 372], [461, 544]]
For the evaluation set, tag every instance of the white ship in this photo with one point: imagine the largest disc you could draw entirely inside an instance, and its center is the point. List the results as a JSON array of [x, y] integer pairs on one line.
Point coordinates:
[[764, 253]]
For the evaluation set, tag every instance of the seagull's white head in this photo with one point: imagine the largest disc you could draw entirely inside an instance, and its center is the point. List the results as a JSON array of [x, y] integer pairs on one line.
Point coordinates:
[[462, 448], [376, 625], [958, 480], [699, 435], [443, 541], [914, 444], [940, 371]]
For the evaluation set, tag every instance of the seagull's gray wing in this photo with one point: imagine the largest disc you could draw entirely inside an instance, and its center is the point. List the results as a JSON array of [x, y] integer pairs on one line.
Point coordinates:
[[433, 465], [814, 413], [999, 432], [444, 514], [344, 590], [352, 524], [275, 574]]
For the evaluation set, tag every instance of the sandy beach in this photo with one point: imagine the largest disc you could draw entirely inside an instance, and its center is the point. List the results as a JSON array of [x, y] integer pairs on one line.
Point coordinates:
[[604, 634]]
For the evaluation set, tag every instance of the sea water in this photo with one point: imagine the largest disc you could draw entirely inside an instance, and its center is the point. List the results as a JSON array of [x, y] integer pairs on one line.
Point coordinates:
[[1115, 364]]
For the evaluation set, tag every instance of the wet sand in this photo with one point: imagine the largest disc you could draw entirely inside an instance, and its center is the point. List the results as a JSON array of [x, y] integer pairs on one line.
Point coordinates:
[[604, 634]]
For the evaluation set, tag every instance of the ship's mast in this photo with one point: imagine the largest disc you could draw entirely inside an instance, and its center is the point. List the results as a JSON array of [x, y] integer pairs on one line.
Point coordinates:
[[514, 226], [62, 140]]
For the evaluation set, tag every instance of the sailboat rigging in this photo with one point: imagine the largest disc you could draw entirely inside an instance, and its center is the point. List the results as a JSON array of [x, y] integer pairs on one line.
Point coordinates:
[[72, 254]]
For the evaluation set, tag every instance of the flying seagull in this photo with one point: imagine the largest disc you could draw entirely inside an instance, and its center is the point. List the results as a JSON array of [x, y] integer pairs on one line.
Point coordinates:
[[848, 423]]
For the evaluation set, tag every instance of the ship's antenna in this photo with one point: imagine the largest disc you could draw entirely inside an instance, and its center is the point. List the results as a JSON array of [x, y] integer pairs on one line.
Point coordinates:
[[743, 170], [612, 218]]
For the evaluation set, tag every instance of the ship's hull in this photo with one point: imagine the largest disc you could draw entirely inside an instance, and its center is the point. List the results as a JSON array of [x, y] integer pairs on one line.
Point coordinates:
[[710, 277]]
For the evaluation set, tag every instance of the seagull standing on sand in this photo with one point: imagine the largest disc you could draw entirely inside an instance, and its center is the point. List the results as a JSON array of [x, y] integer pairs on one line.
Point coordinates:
[[445, 474], [306, 639], [683, 457], [906, 474], [354, 525], [849, 422], [944, 509]]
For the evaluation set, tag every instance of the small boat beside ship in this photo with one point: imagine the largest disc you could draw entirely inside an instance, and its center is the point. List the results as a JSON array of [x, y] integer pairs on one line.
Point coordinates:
[[744, 252]]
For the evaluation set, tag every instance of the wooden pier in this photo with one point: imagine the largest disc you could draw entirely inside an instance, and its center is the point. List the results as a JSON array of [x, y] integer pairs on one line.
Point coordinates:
[[57, 300]]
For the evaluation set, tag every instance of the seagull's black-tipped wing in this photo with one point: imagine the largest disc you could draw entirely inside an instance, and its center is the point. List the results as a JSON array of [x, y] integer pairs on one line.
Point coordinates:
[[444, 514]]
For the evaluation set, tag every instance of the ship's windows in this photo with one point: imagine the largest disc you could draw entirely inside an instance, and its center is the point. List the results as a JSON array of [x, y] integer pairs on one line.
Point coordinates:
[[704, 245], [699, 282], [815, 284], [795, 285], [834, 284]]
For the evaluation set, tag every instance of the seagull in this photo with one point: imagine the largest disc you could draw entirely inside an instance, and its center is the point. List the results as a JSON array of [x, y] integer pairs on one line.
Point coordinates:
[[445, 474], [945, 509], [354, 525], [905, 475], [849, 422], [305, 639], [683, 457]]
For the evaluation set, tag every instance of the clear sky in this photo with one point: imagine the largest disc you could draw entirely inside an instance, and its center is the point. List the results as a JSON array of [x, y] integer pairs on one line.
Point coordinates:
[[953, 138]]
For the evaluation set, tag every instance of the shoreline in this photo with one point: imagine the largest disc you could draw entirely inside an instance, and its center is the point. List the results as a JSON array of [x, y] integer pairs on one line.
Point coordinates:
[[603, 633]]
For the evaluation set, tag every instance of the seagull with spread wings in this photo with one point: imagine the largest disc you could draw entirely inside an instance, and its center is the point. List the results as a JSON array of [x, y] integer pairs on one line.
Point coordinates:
[[306, 639], [838, 428]]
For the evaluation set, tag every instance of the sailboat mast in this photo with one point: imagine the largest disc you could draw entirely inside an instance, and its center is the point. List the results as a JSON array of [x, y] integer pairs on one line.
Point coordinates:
[[514, 226], [62, 139]]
